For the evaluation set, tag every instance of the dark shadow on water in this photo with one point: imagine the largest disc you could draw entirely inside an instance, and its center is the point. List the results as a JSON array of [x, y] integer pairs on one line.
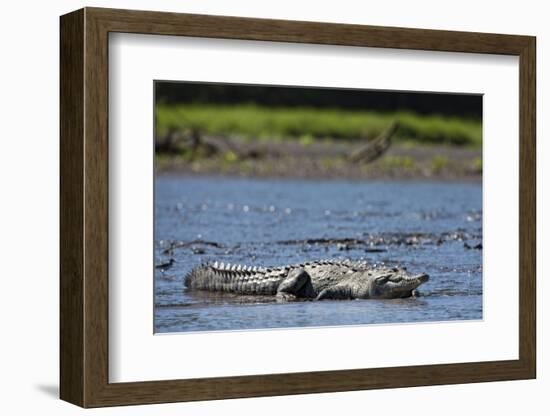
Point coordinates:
[[51, 390]]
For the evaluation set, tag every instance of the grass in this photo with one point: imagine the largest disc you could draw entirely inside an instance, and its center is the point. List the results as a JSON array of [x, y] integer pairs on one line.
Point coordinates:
[[477, 164], [439, 163], [398, 162], [252, 122]]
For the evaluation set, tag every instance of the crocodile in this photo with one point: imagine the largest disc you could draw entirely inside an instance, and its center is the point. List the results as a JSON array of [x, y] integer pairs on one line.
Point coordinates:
[[316, 280]]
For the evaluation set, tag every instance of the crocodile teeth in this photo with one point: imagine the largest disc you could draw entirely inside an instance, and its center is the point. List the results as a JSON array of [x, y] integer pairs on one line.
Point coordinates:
[[215, 265], [221, 266], [234, 267]]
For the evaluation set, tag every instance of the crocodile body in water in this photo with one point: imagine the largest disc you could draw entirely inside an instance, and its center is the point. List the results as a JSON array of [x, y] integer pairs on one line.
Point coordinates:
[[328, 279]]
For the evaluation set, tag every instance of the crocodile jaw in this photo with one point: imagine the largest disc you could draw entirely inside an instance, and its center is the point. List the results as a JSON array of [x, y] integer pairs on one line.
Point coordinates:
[[402, 286]]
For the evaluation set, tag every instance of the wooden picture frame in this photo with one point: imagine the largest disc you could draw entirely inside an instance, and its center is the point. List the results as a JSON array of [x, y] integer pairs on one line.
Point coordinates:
[[84, 207]]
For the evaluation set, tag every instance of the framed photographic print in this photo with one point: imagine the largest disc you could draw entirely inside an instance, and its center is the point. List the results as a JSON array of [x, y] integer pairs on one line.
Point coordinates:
[[255, 207]]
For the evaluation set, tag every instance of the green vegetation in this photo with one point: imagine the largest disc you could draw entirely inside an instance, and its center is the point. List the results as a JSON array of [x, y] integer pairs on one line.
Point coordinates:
[[439, 163], [477, 165], [251, 122], [398, 162]]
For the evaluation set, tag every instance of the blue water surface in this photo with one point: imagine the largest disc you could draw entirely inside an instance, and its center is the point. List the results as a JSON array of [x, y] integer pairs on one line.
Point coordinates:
[[426, 226]]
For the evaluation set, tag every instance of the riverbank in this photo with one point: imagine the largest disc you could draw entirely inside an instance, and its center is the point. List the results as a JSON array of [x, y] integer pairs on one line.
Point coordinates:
[[330, 160]]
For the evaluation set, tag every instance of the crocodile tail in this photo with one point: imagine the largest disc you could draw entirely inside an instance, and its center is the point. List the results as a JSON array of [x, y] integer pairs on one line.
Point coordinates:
[[219, 276], [198, 277]]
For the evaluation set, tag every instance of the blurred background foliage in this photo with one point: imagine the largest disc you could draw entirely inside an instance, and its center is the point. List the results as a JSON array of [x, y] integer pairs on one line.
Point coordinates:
[[254, 122], [274, 113]]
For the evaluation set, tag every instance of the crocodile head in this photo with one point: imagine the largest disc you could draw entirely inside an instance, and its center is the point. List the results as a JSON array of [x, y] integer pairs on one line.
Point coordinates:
[[394, 283]]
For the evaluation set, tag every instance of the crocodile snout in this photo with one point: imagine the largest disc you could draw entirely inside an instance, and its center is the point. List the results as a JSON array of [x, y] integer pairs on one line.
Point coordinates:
[[423, 277]]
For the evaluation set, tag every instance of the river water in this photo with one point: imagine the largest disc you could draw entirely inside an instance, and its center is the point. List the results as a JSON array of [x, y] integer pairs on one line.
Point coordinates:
[[426, 226]]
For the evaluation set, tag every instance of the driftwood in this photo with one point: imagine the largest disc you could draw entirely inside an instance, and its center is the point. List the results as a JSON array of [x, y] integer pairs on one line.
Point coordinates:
[[169, 142], [192, 139], [174, 141], [221, 144], [372, 150]]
